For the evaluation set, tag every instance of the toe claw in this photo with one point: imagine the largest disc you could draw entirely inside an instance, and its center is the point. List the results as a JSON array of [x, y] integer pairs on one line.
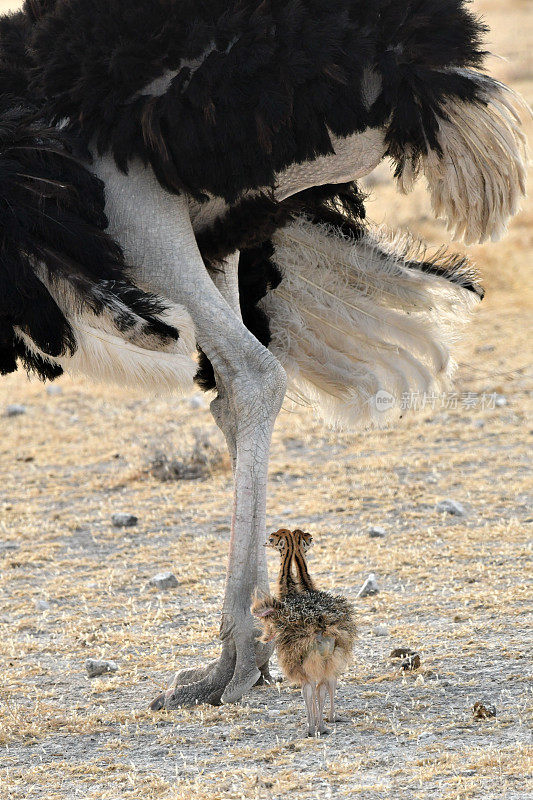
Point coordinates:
[[239, 686], [219, 681], [159, 702]]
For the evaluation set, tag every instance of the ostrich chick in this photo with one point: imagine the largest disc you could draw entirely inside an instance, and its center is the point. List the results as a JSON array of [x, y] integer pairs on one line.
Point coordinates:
[[314, 633]]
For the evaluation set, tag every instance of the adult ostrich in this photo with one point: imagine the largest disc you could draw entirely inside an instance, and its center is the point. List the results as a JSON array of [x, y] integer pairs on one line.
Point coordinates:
[[181, 173]]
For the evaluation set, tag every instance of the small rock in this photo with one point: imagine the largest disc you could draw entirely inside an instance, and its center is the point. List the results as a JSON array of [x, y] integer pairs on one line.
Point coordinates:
[[369, 587], [96, 667], [196, 402], [124, 520], [451, 507], [402, 652], [42, 605], [411, 662], [500, 401], [375, 532], [54, 390], [484, 710], [14, 410], [381, 630], [164, 580], [5, 547]]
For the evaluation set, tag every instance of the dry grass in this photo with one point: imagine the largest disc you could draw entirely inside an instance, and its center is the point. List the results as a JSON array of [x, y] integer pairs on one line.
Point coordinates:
[[452, 588]]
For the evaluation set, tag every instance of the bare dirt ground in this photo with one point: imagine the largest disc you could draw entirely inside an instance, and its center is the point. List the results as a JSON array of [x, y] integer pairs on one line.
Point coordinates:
[[456, 589]]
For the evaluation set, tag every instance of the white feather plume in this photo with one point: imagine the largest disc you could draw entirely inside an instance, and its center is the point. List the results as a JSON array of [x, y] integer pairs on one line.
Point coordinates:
[[476, 183], [133, 357], [351, 319]]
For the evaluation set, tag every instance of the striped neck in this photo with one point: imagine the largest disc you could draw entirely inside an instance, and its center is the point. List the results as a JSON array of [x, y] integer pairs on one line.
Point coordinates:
[[304, 579], [286, 582]]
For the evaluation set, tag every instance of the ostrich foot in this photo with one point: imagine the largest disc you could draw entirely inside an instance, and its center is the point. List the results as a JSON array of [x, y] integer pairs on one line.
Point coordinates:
[[242, 664], [199, 685], [313, 732], [192, 674]]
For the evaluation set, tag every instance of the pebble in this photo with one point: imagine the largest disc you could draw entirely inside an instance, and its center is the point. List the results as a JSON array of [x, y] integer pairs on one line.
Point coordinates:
[[164, 580], [500, 401], [96, 667], [376, 532], [369, 587], [14, 410], [451, 507], [54, 390], [5, 547], [42, 605], [381, 630], [124, 520]]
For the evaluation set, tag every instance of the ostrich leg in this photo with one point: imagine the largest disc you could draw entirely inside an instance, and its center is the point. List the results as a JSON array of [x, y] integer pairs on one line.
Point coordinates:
[[227, 282], [251, 386]]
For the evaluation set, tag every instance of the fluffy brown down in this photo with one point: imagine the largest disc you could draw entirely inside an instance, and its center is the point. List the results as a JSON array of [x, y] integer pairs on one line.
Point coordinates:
[[314, 634]]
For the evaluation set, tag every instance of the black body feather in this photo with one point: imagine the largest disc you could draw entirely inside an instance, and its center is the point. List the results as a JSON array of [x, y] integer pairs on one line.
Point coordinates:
[[52, 219], [272, 79], [265, 83]]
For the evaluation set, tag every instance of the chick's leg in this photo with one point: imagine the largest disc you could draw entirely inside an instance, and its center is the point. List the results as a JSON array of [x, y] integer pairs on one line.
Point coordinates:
[[321, 699], [309, 696], [332, 688], [333, 716]]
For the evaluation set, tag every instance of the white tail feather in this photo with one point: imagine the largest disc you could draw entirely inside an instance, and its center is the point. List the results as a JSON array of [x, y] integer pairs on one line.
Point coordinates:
[[351, 319], [133, 357], [476, 183]]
